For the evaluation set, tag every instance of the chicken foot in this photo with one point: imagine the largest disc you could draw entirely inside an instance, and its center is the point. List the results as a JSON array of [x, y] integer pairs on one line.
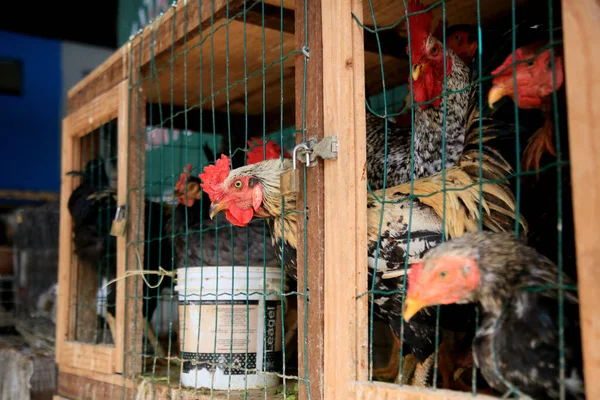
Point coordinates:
[[422, 371]]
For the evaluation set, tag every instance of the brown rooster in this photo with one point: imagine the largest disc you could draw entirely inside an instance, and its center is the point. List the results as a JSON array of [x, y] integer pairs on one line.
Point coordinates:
[[517, 346], [535, 84]]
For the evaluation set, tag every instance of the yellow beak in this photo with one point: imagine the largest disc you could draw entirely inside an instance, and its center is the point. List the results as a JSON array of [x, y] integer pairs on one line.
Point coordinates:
[[495, 94], [416, 71], [215, 208], [411, 307]]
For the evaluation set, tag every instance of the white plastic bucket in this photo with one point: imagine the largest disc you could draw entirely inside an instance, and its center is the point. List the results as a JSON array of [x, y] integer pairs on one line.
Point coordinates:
[[207, 312]]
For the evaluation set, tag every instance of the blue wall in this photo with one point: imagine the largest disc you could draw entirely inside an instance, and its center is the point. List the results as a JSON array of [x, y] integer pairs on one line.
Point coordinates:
[[30, 125]]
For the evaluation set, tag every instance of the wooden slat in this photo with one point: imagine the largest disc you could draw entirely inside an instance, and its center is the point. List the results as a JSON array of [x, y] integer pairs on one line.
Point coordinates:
[[101, 79], [136, 166], [94, 114], [113, 379], [581, 30], [28, 195], [387, 391], [315, 226], [345, 196], [65, 244], [271, 17], [159, 390], [123, 137], [96, 358], [78, 387], [187, 18]]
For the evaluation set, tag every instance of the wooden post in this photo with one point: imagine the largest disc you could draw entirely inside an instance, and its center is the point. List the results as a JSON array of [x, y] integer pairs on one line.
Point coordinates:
[[581, 29], [315, 226], [65, 245], [135, 173], [122, 160], [345, 197]]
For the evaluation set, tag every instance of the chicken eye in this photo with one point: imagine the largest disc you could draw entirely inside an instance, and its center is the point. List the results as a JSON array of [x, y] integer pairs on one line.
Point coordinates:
[[434, 51], [530, 63], [457, 37], [443, 274], [238, 184]]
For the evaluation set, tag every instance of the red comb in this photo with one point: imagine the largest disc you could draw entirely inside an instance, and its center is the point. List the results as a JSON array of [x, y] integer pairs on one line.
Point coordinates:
[[183, 178], [214, 176], [272, 150], [420, 27]]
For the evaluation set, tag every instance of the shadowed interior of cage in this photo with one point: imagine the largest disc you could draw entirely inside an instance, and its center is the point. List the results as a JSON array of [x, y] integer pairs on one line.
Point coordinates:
[[511, 176], [93, 206], [224, 309]]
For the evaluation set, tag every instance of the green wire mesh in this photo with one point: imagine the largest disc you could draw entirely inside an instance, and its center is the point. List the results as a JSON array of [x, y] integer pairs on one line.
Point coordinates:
[[92, 304], [179, 131], [195, 99]]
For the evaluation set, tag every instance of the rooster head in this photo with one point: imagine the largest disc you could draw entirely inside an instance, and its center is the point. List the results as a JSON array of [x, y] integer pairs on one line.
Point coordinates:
[[534, 77], [427, 70], [187, 189], [445, 279], [245, 192], [272, 150]]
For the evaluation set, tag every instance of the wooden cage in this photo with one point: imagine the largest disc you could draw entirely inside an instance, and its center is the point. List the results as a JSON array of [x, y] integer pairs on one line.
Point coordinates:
[[334, 61]]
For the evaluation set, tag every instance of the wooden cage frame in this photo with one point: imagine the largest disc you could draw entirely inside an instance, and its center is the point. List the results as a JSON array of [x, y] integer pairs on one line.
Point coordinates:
[[334, 99]]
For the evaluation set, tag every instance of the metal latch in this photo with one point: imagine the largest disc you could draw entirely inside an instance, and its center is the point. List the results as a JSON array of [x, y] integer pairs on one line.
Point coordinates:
[[326, 149]]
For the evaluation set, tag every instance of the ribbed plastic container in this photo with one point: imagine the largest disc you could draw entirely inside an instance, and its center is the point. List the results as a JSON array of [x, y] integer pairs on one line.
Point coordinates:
[[230, 332]]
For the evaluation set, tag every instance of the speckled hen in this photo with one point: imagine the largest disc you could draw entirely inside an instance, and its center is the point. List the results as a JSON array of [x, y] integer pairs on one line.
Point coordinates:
[[517, 344]]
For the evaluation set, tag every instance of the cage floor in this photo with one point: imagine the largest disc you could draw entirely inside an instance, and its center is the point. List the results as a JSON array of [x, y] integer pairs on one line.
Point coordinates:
[[165, 384]]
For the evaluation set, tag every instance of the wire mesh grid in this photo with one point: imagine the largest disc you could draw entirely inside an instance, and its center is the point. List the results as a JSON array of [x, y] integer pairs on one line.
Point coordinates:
[[506, 170], [440, 162], [92, 206], [221, 305]]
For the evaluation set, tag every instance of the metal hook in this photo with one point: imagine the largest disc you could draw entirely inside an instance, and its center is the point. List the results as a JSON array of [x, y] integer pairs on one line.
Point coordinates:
[[307, 152]]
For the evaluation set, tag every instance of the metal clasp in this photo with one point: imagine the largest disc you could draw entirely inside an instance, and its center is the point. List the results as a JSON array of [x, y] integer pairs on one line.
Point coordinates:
[[326, 149]]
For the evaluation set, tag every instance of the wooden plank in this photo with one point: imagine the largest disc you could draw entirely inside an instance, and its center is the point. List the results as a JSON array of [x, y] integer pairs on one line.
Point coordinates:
[[392, 44], [94, 114], [65, 244], [315, 227], [79, 387], [101, 79], [135, 173], [180, 23], [122, 134], [97, 358], [387, 391], [345, 197], [159, 390], [28, 195], [581, 33], [113, 379], [74, 266]]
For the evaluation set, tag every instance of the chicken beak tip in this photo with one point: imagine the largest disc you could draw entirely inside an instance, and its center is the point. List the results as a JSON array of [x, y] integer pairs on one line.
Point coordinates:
[[495, 94], [214, 209], [411, 307], [416, 71]]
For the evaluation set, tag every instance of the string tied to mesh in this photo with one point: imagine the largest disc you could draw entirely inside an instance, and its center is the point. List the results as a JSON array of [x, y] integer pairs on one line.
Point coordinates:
[[139, 272]]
